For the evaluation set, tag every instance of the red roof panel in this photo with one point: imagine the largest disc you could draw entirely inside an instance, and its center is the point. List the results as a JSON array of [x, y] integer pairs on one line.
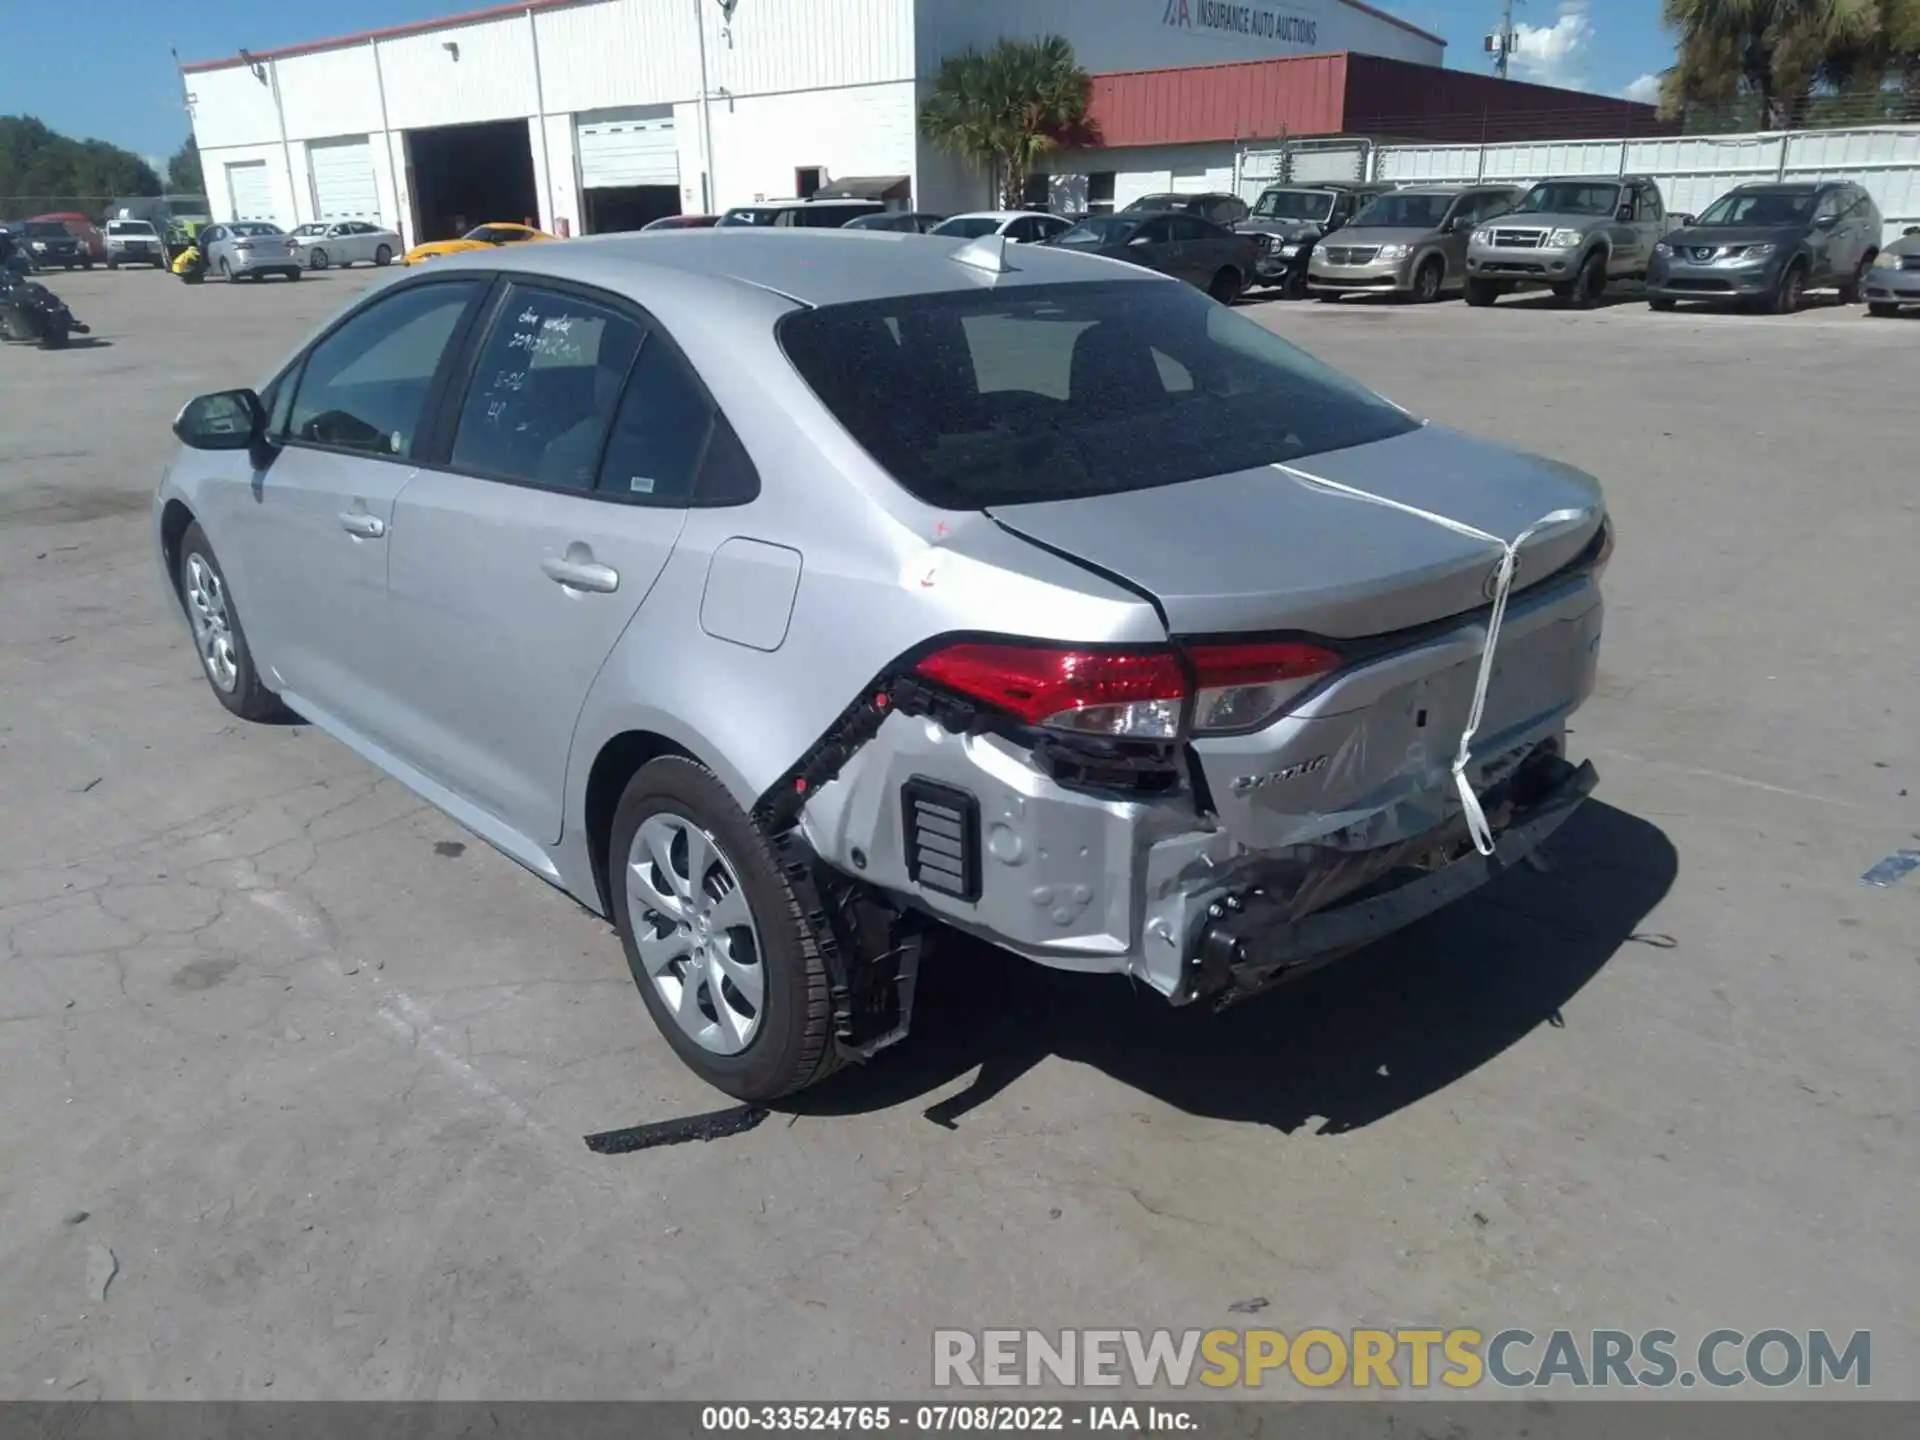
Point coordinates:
[[1247, 100]]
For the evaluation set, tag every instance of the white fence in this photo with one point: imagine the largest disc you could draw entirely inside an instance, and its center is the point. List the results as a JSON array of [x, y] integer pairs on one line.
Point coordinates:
[[1691, 170]]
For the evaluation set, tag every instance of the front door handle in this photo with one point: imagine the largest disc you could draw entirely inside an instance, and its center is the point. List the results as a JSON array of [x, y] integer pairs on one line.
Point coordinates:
[[579, 574], [364, 526]]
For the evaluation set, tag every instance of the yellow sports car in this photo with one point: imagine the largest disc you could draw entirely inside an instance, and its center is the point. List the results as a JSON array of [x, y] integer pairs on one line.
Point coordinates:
[[481, 237]]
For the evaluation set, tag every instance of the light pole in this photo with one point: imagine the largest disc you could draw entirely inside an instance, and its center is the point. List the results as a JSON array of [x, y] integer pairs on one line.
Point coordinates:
[[1501, 43]]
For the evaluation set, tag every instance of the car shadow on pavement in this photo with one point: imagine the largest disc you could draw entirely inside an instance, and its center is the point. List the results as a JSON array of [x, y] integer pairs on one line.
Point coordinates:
[[1335, 1050]]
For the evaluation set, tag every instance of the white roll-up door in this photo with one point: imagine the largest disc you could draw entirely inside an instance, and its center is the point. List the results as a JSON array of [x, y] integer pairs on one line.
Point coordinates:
[[628, 147], [343, 187], [252, 193], [1309, 164]]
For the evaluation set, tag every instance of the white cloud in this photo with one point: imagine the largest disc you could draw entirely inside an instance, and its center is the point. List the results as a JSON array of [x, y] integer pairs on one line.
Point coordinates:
[[1645, 90], [1555, 54]]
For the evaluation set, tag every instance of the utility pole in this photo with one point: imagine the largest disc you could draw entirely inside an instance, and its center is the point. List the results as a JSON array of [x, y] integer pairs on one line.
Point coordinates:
[[1501, 43]]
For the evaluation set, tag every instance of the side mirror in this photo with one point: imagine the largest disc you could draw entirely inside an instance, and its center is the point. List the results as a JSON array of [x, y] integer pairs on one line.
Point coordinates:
[[1139, 240], [1625, 212], [1826, 222], [224, 420], [1684, 222]]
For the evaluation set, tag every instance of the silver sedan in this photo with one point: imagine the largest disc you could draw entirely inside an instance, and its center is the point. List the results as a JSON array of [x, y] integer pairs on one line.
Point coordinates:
[[345, 242], [781, 594]]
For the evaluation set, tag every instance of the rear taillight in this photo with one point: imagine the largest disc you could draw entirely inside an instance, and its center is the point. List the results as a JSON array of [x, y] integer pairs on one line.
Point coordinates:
[[1241, 686], [1136, 693], [1132, 694]]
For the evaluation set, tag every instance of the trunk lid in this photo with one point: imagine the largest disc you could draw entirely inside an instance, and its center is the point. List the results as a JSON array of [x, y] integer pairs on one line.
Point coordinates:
[[1260, 551]]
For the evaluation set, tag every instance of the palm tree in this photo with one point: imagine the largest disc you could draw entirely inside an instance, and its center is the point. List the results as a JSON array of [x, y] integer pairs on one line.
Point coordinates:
[[1775, 52], [1005, 108]]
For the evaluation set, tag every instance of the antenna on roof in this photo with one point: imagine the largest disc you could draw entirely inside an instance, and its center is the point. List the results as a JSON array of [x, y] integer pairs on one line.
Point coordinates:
[[988, 253]]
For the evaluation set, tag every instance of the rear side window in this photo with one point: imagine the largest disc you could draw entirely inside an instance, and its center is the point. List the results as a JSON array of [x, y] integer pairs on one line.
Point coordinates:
[[1059, 391], [544, 389], [660, 434], [364, 387]]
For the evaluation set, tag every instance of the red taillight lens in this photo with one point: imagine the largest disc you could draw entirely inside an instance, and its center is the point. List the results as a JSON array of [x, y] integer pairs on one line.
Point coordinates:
[[1242, 686], [1135, 694]]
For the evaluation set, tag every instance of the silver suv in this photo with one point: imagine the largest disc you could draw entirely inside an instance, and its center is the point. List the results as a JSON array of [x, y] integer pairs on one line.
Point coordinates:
[[781, 594], [1412, 242], [1574, 236]]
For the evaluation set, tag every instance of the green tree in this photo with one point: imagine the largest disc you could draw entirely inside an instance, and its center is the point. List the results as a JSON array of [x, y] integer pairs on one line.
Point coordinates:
[[41, 170], [183, 170], [1004, 108], [1768, 62]]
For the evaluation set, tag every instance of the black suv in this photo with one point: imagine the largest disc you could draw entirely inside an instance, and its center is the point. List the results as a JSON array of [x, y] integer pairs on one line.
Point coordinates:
[[48, 243], [1292, 219]]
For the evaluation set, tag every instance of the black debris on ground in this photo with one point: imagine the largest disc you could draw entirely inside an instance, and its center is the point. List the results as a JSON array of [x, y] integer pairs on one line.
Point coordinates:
[[717, 1125]]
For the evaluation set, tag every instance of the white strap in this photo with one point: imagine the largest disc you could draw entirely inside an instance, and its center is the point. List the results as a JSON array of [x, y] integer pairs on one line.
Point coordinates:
[[1477, 825]]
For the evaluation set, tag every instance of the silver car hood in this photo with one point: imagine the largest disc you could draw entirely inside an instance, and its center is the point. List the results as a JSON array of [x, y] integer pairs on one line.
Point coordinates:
[[1260, 551], [1383, 235], [1513, 220]]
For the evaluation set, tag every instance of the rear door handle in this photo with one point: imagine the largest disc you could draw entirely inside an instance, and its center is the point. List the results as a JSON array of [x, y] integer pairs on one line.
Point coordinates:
[[363, 525], [581, 574]]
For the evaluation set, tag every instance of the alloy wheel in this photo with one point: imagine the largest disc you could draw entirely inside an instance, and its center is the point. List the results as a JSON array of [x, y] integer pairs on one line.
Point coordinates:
[[695, 932], [212, 623]]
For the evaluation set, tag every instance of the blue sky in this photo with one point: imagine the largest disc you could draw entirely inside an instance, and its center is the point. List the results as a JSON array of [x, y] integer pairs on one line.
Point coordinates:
[[100, 67]]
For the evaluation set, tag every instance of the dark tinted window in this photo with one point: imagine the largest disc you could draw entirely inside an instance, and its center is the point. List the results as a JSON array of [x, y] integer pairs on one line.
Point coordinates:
[[364, 387], [1095, 230], [1761, 207], [544, 389], [1227, 211], [1049, 392], [1408, 212], [45, 229], [1190, 227], [661, 431], [1571, 197], [968, 227]]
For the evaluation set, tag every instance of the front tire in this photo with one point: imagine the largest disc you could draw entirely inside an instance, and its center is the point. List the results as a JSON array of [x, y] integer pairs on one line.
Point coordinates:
[[1882, 309], [1853, 289], [1428, 280], [714, 937], [1481, 293], [1787, 295], [54, 337], [217, 635], [1591, 285], [1660, 302], [1225, 287], [383, 256]]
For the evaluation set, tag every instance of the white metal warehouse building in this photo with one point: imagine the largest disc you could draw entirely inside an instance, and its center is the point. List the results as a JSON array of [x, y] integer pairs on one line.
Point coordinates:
[[597, 114]]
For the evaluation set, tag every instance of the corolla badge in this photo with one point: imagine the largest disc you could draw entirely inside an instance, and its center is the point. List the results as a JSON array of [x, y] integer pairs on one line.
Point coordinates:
[[1247, 784]]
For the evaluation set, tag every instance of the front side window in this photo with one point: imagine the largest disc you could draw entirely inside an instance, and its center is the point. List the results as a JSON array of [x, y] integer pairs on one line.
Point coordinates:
[[1188, 227], [364, 387], [1052, 392], [1650, 206], [544, 389]]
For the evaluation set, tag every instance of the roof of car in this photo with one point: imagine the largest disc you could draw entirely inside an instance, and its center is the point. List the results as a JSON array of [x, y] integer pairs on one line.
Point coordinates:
[[995, 214], [814, 267]]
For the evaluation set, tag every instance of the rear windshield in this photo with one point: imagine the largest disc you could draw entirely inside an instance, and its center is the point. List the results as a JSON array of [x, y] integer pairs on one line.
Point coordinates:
[[255, 227], [1051, 392], [1097, 230], [129, 227], [745, 215], [1294, 205], [968, 227]]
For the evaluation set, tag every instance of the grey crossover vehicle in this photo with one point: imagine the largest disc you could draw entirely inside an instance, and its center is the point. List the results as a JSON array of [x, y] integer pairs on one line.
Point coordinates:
[[1768, 245], [250, 249], [1894, 279], [1412, 242], [1574, 236], [1183, 246], [784, 597]]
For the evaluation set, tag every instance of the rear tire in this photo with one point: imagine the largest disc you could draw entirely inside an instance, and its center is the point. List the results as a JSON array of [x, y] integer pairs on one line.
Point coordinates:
[[1660, 303], [383, 256], [754, 1051], [1853, 289], [1481, 293], [1225, 287], [226, 270], [225, 659]]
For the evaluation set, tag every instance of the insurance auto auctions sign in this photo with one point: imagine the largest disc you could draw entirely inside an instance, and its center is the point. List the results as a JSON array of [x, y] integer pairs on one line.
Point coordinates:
[[1259, 22]]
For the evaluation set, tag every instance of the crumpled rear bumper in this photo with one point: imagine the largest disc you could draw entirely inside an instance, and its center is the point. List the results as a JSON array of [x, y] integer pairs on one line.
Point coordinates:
[[1252, 941]]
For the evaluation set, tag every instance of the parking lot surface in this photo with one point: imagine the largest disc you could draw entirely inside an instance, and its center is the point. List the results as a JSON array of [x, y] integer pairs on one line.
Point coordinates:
[[315, 1065]]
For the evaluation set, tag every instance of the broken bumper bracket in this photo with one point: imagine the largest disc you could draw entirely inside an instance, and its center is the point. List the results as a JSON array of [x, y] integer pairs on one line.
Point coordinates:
[[1258, 944]]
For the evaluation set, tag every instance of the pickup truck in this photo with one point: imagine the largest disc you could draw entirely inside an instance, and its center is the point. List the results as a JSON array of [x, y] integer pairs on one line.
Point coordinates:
[[1575, 236]]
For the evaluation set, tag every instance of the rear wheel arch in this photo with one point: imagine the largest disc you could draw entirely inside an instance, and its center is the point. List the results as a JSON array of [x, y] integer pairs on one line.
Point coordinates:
[[617, 762]]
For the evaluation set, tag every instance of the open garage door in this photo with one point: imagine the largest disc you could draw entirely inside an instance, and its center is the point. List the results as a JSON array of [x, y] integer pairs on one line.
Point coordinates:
[[467, 175], [629, 167], [252, 192], [343, 185]]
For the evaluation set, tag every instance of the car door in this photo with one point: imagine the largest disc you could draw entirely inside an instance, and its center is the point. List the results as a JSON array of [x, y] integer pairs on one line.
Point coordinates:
[[210, 239], [524, 552], [1859, 232], [1651, 226], [343, 244], [1152, 246], [1200, 255], [315, 525], [1826, 239]]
